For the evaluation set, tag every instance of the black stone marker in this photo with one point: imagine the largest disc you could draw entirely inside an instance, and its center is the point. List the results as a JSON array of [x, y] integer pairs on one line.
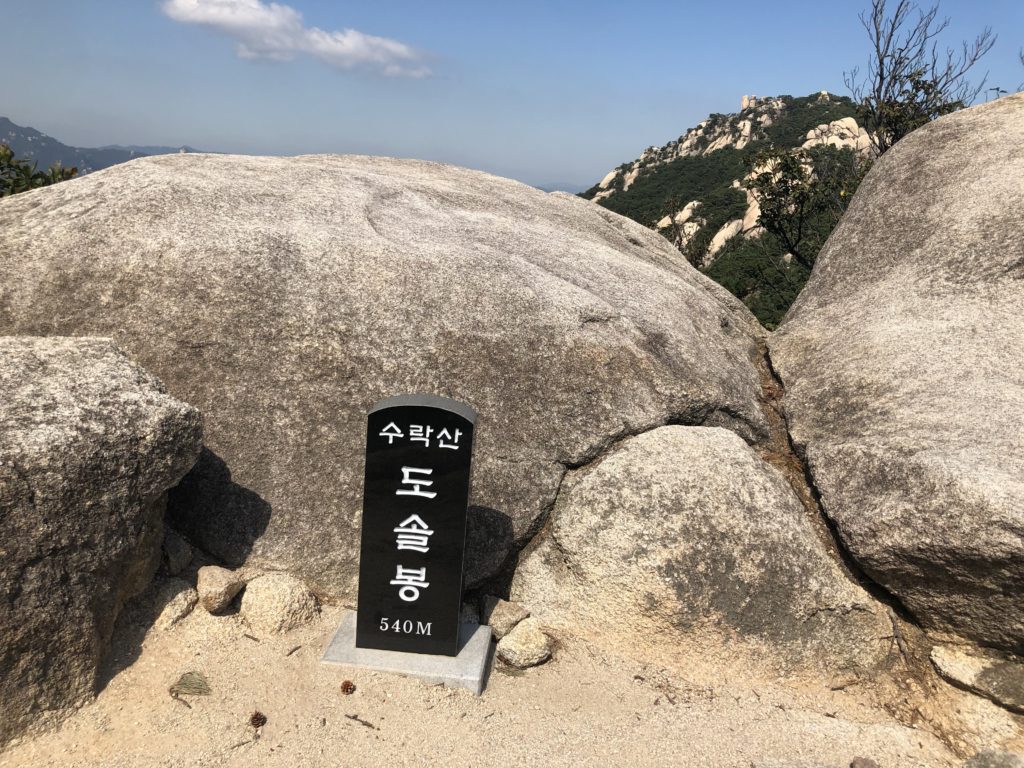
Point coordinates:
[[418, 453]]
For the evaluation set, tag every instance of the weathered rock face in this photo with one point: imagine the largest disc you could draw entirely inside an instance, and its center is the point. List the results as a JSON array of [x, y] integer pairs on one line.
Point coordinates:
[[683, 536], [502, 616], [89, 443], [283, 297], [175, 600], [905, 379], [177, 553], [839, 133]]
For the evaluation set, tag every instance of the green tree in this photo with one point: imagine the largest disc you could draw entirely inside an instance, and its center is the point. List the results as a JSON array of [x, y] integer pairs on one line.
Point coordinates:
[[21, 175], [909, 80], [757, 271], [803, 193]]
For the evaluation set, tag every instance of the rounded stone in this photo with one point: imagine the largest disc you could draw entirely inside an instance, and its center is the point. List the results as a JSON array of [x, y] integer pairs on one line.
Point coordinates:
[[525, 645], [277, 603], [684, 536], [218, 586]]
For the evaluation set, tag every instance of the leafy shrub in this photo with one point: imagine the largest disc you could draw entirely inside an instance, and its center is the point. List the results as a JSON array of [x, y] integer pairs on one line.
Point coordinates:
[[21, 175], [803, 193]]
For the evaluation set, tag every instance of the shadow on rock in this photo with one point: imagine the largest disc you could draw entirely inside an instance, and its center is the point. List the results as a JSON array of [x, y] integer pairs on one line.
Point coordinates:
[[133, 622], [215, 513], [489, 540]]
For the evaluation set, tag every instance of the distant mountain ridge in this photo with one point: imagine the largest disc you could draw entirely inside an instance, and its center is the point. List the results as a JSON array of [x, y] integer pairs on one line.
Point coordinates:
[[29, 143], [692, 190], [561, 186]]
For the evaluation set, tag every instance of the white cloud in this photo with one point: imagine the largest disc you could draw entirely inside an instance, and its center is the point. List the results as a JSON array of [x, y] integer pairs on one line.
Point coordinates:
[[277, 32]]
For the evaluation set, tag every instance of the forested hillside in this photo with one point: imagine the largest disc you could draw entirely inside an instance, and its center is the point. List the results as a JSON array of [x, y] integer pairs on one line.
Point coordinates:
[[696, 190]]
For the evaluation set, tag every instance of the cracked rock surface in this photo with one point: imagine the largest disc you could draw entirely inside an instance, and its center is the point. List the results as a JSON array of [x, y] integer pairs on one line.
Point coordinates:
[[683, 536], [905, 380], [175, 600], [89, 444], [284, 296]]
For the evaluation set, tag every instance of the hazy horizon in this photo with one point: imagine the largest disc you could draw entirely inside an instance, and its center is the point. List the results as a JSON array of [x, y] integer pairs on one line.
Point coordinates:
[[548, 95]]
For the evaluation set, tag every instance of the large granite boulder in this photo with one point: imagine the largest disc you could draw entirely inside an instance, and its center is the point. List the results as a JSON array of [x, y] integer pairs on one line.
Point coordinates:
[[903, 361], [89, 445], [683, 537], [284, 296]]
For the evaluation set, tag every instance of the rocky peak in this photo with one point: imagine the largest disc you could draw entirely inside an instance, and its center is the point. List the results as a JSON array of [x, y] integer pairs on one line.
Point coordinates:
[[691, 190], [718, 132]]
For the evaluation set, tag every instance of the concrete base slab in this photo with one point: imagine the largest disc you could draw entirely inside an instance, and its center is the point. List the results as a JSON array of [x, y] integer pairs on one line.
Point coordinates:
[[467, 670]]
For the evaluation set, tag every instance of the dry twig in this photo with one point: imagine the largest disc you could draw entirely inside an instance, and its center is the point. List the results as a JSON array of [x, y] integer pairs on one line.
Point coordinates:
[[360, 720]]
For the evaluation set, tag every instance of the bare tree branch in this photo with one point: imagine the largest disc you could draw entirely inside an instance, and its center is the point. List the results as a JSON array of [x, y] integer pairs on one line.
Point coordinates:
[[910, 80]]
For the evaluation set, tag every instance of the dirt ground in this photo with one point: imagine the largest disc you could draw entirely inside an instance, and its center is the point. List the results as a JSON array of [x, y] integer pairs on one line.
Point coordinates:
[[586, 707]]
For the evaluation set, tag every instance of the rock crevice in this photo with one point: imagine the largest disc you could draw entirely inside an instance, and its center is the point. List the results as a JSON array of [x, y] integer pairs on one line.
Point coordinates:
[[593, 457], [784, 454]]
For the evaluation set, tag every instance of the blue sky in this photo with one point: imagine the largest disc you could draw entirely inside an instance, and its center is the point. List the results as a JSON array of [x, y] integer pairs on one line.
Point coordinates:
[[546, 92]]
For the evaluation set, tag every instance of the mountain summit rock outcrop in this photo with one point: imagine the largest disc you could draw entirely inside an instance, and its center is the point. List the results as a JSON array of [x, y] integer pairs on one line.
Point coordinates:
[[284, 296], [904, 374]]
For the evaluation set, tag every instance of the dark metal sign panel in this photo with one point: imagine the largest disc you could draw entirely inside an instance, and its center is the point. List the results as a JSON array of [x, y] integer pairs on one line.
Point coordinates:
[[418, 454]]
